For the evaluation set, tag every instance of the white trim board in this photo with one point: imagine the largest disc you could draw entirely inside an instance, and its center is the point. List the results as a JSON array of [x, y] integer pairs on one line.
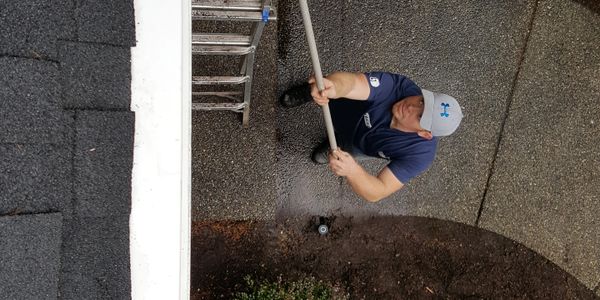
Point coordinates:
[[161, 177]]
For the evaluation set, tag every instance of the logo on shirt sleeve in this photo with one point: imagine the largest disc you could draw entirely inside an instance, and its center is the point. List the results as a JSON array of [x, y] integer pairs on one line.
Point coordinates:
[[374, 81]]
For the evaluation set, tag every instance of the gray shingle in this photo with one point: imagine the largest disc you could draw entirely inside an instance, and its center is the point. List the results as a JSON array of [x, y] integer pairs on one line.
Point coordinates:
[[95, 260], [95, 76], [29, 110], [103, 162], [30, 28], [35, 178], [30, 256], [110, 22]]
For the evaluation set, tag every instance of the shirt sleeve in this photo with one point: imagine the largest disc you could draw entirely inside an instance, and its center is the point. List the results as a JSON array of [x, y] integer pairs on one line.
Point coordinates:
[[384, 87], [405, 170], [381, 85]]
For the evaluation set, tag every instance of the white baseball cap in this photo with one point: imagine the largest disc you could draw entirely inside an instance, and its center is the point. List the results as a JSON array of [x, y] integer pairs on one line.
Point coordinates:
[[442, 113]]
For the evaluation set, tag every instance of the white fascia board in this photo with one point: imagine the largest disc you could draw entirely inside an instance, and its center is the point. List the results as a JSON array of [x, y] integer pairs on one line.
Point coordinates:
[[161, 182]]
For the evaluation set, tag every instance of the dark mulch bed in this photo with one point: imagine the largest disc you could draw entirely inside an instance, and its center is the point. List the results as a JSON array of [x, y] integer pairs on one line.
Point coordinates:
[[376, 258]]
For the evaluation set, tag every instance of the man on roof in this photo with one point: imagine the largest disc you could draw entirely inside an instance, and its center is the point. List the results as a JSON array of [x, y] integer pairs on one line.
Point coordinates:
[[379, 114]]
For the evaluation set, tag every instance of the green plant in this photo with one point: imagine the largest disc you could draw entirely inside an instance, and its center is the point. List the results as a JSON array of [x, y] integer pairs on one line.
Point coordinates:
[[304, 289]]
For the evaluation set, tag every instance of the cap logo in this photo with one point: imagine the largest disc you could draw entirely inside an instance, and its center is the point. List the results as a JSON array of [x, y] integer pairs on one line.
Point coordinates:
[[445, 107]]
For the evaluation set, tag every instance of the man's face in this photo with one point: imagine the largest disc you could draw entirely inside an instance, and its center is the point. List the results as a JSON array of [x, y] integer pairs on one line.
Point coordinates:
[[407, 114]]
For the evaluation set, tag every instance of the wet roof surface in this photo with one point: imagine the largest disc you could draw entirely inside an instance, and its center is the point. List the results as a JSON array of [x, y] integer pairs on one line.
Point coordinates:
[[66, 149]]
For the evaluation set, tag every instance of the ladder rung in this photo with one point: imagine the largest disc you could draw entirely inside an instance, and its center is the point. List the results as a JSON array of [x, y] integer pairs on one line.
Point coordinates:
[[220, 94], [237, 107], [206, 80], [221, 50], [220, 15], [235, 96], [221, 39], [248, 5]]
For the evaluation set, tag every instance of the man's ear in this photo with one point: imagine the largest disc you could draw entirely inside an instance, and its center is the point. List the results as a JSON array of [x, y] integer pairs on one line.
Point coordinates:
[[425, 134]]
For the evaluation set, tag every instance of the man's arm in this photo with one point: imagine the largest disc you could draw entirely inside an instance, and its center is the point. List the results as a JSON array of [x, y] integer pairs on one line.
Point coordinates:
[[365, 185], [347, 85]]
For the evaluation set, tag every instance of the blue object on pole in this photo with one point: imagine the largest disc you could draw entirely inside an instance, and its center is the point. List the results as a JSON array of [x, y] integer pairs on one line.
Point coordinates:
[[265, 15]]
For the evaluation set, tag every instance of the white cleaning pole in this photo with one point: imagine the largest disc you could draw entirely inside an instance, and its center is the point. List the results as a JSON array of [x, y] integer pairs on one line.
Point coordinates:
[[312, 45]]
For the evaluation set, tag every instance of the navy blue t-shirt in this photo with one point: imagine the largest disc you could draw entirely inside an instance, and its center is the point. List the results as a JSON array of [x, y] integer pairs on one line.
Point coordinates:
[[409, 154]]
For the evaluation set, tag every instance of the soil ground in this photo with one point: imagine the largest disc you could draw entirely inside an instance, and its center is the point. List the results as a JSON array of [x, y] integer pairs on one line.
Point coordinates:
[[376, 258]]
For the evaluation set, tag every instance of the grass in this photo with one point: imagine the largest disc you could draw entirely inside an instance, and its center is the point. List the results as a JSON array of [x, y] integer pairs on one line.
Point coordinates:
[[305, 289]]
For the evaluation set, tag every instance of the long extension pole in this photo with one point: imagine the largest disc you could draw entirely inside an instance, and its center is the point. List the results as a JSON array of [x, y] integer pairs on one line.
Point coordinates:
[[312, 45]]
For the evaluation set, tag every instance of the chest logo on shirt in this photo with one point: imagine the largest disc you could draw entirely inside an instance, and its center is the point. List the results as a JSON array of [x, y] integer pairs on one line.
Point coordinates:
[[367, 119], [374, 81]]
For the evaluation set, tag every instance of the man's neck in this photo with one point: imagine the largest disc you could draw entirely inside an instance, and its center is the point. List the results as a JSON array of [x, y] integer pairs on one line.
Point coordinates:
[[395, 125]]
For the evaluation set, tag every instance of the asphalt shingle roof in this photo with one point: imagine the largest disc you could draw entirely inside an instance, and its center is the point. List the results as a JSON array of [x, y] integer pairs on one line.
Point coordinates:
[[103, 162], [35, 178], [29, 111], [66, 149], [108, 22], [95, 76], [30, 256], [95, 258], [32, 28]]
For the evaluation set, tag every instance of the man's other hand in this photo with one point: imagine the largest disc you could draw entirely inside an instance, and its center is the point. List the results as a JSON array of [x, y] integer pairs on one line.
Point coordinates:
[[322, 97], [342, 163]]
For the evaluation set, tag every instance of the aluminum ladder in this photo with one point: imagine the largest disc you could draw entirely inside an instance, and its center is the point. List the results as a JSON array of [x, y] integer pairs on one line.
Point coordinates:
[[257, 11]]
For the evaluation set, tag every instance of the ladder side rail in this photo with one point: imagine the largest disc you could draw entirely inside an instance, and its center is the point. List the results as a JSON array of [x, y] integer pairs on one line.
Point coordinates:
[[249, 63], [248, 88]]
